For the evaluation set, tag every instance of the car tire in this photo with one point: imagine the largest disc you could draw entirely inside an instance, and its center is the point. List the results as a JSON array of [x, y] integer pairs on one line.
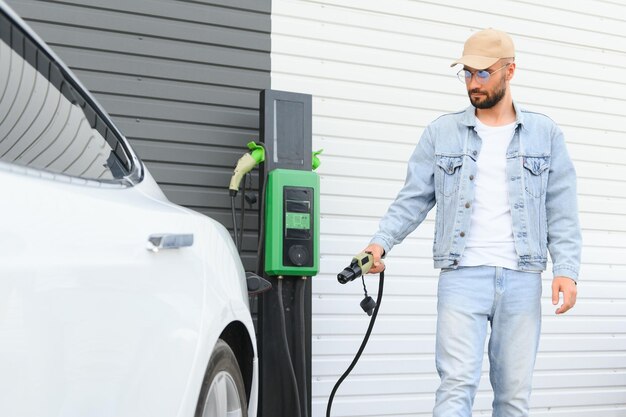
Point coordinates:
[[223, 392]]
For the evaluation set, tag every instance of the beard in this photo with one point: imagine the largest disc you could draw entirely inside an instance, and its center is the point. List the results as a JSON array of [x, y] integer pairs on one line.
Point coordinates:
[[489, 99]]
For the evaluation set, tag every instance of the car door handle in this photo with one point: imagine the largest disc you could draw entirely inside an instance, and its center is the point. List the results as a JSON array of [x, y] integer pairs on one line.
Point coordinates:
[[157, 242]]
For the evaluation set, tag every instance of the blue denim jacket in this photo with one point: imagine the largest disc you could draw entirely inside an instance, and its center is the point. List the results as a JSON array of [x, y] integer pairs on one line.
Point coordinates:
[[542, 192]]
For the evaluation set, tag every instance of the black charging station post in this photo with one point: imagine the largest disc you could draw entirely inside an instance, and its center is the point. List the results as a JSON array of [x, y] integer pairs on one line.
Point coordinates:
[[285, 371]]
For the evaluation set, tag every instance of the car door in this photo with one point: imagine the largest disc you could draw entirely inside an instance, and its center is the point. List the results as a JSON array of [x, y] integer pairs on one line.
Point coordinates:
[[95, 318]]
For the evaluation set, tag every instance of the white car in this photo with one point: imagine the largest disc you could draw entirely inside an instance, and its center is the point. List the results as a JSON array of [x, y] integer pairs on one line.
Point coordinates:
[[113, 300]]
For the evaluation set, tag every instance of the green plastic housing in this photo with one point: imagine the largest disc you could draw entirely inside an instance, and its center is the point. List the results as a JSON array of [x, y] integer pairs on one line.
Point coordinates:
[[277, 220]]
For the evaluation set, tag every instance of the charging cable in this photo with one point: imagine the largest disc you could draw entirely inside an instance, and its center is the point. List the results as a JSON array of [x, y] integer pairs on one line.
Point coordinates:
[[359, 266], [244, 166], [292, 372]]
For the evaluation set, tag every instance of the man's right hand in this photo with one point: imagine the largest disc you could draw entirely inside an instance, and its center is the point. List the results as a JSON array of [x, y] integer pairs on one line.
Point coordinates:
[[377, 251]]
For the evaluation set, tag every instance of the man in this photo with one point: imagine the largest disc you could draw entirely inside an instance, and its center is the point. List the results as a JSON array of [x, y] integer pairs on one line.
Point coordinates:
[[505, 190]]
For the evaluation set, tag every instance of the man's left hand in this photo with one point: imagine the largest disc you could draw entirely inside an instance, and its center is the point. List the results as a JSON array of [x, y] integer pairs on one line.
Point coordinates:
[[567, 286]]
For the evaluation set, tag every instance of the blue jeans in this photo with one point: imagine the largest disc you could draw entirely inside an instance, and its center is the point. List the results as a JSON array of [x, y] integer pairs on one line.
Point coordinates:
[[468, 299]]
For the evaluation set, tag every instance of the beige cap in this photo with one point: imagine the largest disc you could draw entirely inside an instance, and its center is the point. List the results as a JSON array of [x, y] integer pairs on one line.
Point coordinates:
[[485, 48]]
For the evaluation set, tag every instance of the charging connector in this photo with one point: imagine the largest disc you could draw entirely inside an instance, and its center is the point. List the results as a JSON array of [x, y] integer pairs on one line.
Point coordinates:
[[245, 164]]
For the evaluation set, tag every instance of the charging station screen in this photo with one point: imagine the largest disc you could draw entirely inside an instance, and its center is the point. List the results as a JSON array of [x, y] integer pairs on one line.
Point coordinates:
[[300, 221], [298, 214]]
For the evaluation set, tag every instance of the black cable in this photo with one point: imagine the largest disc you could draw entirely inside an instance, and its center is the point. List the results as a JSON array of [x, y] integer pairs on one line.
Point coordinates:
[[363, 344], [243, 211], [303, 362], [260, 252], [364, 287], [232, 208], [284, 334], [261, 244]]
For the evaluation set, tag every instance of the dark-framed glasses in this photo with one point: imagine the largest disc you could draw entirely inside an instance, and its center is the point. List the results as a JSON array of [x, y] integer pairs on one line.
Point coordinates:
[[482, 76]]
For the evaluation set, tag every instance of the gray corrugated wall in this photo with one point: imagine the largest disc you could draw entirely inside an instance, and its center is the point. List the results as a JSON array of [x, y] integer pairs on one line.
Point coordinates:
[[181, 79]]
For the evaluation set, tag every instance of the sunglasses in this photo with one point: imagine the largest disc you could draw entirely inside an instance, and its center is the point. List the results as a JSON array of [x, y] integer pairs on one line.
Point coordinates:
[[482, 76]]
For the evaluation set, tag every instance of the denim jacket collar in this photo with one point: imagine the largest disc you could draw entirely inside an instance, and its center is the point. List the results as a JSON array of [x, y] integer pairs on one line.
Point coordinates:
[[469, 117]]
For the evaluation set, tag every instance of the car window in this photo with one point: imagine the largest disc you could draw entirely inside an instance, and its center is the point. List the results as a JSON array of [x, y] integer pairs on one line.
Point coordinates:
[[45, 123]]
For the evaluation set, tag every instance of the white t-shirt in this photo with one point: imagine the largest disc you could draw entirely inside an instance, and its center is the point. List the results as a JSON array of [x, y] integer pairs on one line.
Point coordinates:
[[490, 238]]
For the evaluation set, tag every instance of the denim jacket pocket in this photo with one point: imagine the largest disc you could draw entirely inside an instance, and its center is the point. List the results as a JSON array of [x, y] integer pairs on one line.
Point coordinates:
[[536, 175], [449, 173]]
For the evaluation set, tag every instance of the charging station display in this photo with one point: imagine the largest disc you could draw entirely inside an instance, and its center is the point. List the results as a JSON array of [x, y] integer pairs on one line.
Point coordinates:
[[298, 239]]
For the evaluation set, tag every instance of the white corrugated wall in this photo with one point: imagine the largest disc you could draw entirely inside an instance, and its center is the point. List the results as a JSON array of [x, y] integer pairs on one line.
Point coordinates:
[[379, 73]]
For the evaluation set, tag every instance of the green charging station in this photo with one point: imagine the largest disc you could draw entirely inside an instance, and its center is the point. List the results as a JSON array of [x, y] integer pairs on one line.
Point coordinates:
[[292, 218], [289, 253]]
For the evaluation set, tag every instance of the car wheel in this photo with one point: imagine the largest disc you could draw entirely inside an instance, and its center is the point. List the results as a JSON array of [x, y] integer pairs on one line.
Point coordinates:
[[223, 393]]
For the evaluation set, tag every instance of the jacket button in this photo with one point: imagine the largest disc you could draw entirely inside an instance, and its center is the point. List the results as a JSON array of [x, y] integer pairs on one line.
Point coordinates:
[[467, 205], [474, 153], [471, 177], [462, 234]]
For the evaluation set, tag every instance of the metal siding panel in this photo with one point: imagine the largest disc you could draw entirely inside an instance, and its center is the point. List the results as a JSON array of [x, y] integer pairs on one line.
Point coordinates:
[[210, 13], [169, 90], [255, 5], [159, 27], [180, 78], [157, 67], [168, 49], [379, 73]]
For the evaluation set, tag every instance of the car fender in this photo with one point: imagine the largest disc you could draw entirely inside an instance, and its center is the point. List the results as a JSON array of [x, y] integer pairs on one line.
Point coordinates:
[[225, 302]]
